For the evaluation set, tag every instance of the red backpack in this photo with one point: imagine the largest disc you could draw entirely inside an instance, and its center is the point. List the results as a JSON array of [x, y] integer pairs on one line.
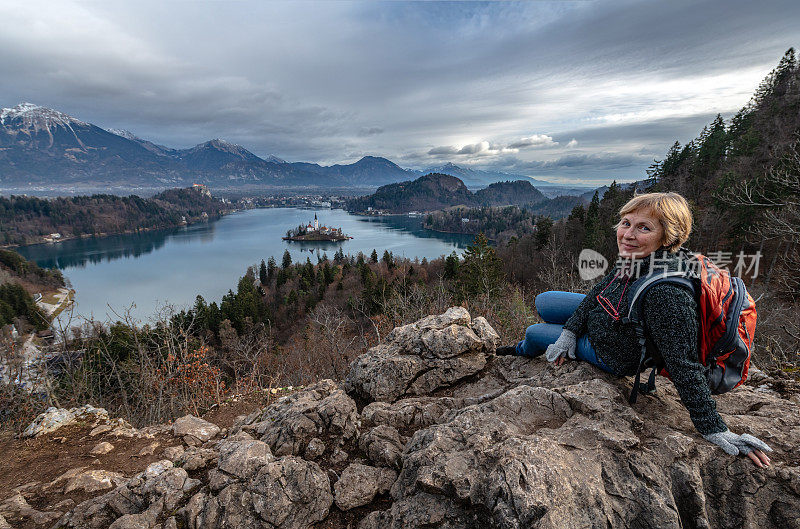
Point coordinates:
[[727, 323]]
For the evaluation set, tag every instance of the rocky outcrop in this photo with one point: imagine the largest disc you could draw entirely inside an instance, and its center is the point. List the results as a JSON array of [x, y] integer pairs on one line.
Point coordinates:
[[430, 429], [321, 413], [194, 430], [421, 357], [54, 418]]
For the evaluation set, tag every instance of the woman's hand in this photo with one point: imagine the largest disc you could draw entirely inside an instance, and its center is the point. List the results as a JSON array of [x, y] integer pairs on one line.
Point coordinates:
[[562, 348], [744, 444]]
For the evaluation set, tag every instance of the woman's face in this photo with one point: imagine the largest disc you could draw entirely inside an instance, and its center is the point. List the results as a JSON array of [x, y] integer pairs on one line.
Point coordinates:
[[639, 234]]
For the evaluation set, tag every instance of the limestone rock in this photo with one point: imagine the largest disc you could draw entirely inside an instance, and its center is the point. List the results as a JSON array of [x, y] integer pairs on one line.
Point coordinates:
[[103, 428], [149, 449], [193, 427], [287, 493], [516, 443], [17, 508], [319, 410], [136, 503], [93, 481], [314, 449], [383, 446], [409, 414], [243, 458], [196, 458], [54, 418], [421, 357], [359, 484], [173, 452], [101, 448]]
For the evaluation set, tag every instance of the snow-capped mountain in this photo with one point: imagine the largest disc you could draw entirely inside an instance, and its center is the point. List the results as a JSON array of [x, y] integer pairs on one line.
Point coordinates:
[[128, 135], [44, 147], [32, 118]]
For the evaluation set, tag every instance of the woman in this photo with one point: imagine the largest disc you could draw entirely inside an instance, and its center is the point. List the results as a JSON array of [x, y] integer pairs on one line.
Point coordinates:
[[652, 226]]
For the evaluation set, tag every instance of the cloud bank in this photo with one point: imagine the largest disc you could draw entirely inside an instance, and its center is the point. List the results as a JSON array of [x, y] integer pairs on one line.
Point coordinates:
[[568, 91]]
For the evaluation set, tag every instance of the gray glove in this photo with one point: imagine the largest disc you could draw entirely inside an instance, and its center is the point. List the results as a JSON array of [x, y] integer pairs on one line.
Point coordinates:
[[564, 346], [735, 444]]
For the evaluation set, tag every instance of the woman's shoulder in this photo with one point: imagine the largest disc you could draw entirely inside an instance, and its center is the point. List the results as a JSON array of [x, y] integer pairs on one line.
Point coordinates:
[[669, 299]]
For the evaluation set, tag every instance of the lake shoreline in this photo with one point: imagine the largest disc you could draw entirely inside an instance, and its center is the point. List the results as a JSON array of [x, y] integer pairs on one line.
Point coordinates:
[[174, 265]]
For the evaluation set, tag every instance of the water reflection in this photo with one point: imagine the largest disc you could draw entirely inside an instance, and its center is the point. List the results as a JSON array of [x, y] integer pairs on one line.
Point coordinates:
[[413, 225], [151, 269], [78, 253]]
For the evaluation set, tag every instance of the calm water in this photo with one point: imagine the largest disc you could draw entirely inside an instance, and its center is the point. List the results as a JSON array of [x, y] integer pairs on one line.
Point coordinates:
[[150, 270]]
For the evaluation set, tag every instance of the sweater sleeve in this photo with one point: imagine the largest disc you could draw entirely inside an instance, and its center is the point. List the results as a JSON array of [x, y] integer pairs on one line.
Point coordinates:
[[577, 322], [672, 322]]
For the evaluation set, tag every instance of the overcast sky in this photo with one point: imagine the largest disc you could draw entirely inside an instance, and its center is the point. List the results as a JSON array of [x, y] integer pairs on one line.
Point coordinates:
[[563, 91]]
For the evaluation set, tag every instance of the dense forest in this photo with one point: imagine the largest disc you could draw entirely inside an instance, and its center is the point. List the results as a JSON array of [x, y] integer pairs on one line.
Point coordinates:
[[436, 191], [499, 224], [292, 323], [18, 278], [25, 220]]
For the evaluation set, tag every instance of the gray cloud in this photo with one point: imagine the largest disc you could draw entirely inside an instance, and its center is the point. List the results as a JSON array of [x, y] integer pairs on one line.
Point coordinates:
[[537, 140], [478, 83], [371, 131]]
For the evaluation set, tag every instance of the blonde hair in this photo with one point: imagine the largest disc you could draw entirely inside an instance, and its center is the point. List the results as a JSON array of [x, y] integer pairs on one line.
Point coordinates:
[[671, 210]]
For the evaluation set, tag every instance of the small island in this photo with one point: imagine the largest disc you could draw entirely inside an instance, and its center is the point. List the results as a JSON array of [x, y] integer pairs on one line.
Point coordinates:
[[314, 232]]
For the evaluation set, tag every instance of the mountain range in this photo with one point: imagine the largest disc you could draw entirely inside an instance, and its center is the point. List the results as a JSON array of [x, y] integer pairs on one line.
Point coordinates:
[[44, 147]]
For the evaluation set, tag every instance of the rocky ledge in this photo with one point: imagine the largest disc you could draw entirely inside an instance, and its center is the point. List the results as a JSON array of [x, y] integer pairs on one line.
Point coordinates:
[[430, 429]]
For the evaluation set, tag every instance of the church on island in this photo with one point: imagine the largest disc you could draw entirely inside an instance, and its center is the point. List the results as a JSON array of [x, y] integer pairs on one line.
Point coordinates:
[[314, 232]]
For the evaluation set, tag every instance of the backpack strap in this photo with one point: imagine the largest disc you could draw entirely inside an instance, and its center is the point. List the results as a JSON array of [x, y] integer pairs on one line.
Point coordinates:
[[635, 316]]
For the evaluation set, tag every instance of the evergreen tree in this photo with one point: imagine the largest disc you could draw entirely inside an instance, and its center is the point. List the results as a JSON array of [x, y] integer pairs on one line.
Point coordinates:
[[262, 273], [592, 223], [373, 257], [287, 260], [481, 272], [451, 266], [544, 227], [271, 268], [388, 259]]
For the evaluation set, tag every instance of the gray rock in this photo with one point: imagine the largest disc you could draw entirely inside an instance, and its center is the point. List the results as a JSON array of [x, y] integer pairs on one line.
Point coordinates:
[[243, 459], [101, 448], [359, 484], [383, 446], [139, 502], [54, 418], [93, 481], [287, 493], [518, 443], [194, 458], [291, 493], [194, 428], [18, 507], [409, 414], [314, 449], [173, 453], [421, 357], [320, 410], [149, 450]]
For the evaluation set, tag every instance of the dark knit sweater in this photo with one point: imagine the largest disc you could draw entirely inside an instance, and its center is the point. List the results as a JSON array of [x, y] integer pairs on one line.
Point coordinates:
[[671, 316]]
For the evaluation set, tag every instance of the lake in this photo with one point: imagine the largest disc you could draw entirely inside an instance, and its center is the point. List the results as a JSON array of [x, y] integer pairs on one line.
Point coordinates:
[[146, 271]]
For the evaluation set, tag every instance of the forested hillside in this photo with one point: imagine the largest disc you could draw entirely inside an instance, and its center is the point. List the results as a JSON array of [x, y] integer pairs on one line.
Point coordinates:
[[25, 220], [744, 178], [18, 278], [437, 191]]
